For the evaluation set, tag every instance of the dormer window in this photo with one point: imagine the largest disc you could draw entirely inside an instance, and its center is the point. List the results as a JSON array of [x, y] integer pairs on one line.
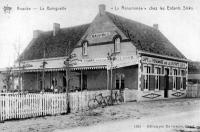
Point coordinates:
[[117, 44], [84, 47]]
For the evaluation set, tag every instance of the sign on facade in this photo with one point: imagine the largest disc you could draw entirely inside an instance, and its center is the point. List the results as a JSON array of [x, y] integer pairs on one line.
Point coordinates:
[[152, 60]]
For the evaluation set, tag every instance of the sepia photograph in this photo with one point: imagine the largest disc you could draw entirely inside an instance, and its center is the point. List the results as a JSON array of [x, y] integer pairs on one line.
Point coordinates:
[[100, 66]]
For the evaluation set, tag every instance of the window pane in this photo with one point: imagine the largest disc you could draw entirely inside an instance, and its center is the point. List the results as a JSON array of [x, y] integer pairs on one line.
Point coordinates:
[[117, 44], [175, 71], [145, 69], [156, 70], [182, 72], [84, 48], [148, 69], [159, 71]]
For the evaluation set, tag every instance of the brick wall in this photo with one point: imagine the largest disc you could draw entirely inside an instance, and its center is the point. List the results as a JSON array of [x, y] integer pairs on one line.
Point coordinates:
[[100, 51]]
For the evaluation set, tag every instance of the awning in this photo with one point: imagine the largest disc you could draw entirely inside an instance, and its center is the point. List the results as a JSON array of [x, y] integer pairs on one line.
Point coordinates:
[[62, 69], [89, 67]]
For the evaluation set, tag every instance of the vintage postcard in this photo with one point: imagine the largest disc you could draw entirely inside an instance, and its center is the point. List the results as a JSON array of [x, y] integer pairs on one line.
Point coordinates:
[[100, 65]]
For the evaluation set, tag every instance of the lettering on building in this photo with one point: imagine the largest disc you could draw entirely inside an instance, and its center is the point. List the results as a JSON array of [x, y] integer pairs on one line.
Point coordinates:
[[151, 60], [100, 35]]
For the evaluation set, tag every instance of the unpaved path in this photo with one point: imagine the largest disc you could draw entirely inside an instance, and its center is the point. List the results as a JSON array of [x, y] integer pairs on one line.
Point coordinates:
[[131, 110], [174, 122]]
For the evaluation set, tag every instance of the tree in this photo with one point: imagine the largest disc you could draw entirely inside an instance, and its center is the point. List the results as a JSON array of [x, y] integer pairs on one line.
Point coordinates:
[[66, 62], [111, 57], [8, 80], [17, 49]]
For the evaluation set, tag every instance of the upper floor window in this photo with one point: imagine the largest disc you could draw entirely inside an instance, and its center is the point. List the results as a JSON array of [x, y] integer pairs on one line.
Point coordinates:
[[117, 44], [84, 48]]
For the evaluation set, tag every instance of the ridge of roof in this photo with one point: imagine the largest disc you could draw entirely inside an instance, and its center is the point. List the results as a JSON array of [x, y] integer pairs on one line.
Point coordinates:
[[55, 46], [144, 37]]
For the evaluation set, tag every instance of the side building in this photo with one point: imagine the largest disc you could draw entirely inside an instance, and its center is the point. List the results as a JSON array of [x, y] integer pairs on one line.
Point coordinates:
[[194, 72], [110, 52]]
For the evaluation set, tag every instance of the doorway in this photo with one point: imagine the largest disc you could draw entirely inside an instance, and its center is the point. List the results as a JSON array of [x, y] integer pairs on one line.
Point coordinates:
[[166, 82]]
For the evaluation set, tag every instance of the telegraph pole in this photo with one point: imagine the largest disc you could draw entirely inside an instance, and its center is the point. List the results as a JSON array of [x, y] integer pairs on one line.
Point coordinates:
[[111, 57], [43, 66], [66, 62]]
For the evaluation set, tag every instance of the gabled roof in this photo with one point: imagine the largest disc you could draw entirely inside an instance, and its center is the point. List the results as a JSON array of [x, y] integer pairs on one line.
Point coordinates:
[[145, 38], [55, 46]]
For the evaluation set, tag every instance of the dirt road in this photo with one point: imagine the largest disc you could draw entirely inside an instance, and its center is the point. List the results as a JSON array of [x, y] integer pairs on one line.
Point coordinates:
[[134, 111], [174, 122]]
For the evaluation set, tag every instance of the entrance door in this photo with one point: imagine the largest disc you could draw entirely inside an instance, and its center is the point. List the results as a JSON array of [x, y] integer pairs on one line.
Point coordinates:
[[166, 82]]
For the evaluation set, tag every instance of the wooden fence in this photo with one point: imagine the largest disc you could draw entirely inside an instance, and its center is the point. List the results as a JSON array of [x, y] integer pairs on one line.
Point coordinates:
[[193, 91], [79, 100], [18, 106]]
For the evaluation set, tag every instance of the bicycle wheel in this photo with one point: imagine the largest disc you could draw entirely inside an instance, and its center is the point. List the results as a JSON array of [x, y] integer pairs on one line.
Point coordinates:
[[120, 99], [108, 100], [93, 104]]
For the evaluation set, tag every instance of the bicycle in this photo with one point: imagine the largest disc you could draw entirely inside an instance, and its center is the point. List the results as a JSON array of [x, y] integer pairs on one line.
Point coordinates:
[[97, 101], [116, 98]]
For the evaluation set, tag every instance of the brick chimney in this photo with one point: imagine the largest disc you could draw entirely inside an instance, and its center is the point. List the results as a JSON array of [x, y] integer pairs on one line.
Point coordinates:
[[155, 26], [36, 33], [56, 28], [102, 9]]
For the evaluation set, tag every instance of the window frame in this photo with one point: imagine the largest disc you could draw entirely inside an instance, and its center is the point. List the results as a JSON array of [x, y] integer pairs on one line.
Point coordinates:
[[120, 77], [85, 48], [117, 46], [157, 77], [182, 76], [146, 77], [174, 78], [168, 69]]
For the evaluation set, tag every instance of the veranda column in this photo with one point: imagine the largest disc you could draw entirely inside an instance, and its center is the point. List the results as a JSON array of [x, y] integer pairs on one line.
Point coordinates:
[[107, 79], [81, 80]]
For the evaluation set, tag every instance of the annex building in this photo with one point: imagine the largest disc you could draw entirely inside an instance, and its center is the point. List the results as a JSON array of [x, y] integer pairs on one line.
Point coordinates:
[[110, 52]]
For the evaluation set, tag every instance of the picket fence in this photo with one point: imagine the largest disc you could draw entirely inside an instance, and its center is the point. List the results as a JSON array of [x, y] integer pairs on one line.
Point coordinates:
[[193, 91], [18, 106], [79, 100]]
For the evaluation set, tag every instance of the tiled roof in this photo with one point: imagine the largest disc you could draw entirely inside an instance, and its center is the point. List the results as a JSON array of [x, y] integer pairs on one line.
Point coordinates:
[[145, 38], [55, 46]]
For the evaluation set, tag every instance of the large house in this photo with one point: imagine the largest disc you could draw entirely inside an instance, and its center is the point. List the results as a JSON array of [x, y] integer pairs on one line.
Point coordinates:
[[110, 52]]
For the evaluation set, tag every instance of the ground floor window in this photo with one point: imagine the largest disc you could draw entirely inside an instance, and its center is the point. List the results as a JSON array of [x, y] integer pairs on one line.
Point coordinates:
[[120, 81], [146, 71], [182, 76], [175, 74], [157, 71]]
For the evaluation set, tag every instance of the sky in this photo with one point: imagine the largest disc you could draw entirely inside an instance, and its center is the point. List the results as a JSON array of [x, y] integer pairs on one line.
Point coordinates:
[[181, 27]]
